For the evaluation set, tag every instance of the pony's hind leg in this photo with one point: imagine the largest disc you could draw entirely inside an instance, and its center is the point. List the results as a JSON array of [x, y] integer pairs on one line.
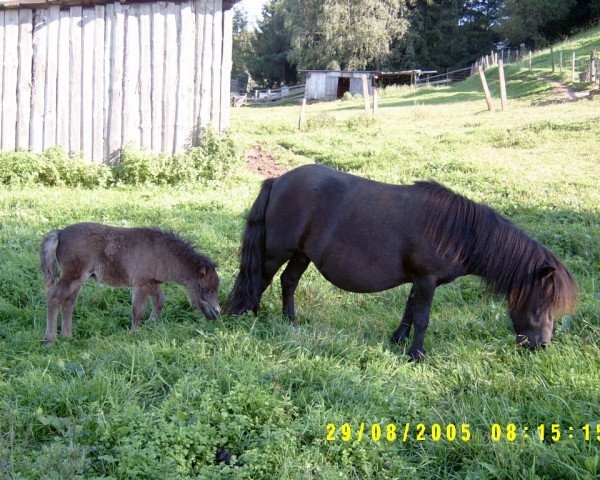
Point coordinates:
[[158, 302], [67, 320], [289, 281], [139, 299], [55, 298], [402, 332], [270, 268]]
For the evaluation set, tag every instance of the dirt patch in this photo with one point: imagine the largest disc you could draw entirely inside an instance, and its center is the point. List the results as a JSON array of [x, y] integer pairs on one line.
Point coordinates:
[[263, 163], [562, 92]]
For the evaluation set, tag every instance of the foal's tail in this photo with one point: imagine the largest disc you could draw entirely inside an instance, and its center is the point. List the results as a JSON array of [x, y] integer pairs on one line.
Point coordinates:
[[48, 262], [247, 289]]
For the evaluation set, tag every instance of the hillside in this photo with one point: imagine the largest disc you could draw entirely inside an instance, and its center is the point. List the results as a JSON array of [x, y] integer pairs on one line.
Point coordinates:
[[160, 402]]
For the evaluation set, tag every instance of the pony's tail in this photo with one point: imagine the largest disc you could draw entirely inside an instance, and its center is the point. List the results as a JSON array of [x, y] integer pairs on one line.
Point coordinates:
[[247, 289], [48, 262]]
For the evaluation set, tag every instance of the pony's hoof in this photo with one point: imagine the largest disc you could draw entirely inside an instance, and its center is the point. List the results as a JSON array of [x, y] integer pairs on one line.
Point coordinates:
[[417, 356], [49, 342]]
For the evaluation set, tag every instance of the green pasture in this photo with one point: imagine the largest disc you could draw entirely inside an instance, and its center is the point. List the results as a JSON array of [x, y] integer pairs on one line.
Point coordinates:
[[158, 403]]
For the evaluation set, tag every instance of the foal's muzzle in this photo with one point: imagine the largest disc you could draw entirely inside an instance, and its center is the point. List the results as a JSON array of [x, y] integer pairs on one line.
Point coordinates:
[[524, 341], [210, 312]]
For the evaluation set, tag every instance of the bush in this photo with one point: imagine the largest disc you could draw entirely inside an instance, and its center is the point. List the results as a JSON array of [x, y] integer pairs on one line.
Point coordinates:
[[53, 167], [321, 120], [347, 97], [216, 156], [212, 160]]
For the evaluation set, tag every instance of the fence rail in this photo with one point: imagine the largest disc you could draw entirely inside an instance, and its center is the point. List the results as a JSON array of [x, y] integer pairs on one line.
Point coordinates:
[[582, 68], [445, 78], [277, 95]]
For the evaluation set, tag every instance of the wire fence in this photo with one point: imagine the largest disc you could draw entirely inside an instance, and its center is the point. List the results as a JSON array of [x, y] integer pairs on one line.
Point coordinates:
[[444, 78], [272, 96], [576, 67]]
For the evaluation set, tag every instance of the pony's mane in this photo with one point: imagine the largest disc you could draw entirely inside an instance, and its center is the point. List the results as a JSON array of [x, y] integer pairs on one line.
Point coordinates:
[[491, 246], [184, 250]]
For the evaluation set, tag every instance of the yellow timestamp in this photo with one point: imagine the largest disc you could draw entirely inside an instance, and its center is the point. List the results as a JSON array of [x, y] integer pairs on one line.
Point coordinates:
[[392, 432], [554, 432]]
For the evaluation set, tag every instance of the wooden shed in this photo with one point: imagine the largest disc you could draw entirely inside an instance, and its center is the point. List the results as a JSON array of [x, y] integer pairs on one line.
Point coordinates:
[[332, 84], [93, 76]]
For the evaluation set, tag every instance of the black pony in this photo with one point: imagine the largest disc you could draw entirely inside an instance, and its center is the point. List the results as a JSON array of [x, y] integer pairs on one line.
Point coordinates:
[[367, 236]]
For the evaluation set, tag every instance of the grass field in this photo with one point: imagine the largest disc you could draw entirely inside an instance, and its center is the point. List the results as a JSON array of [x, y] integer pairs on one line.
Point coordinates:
[[158, 403]]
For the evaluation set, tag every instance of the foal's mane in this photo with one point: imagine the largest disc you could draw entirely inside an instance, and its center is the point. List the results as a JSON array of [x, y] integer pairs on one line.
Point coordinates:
[[489, 245], [184, 250]]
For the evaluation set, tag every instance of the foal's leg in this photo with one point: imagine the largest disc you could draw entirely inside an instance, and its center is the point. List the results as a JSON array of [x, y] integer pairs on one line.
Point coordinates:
[[289, 281], [424, 289], [139, 298], [401, 333], [158, 302], [55, 297], [67, 320]]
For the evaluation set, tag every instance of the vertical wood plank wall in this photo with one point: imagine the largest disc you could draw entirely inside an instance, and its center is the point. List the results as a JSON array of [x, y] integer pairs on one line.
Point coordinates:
[[93, 79]]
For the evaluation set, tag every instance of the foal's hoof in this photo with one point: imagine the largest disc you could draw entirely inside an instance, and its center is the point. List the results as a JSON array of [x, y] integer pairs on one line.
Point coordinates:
[[398, 338], [417, 356]]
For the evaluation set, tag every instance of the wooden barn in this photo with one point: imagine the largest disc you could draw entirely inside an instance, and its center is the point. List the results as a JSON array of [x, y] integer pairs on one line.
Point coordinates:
[[93, 76], [332, 84]]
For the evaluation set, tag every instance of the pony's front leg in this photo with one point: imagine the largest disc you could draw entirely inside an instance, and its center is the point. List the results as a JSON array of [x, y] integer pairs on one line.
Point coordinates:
[[423, 289], [401, 333], [139, 298], [289, 281]]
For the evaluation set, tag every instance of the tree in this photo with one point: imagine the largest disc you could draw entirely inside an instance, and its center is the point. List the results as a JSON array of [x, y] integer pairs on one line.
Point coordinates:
[[445, 33], [353, 34], [242, 43], [271, 45], [533, 22]]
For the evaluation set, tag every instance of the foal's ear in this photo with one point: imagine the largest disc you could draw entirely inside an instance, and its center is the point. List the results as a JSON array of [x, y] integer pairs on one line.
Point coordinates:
[[545, 271]]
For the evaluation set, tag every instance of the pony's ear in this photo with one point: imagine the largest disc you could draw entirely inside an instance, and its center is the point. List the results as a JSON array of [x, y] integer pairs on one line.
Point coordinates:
[[545, 271], [202, 271]]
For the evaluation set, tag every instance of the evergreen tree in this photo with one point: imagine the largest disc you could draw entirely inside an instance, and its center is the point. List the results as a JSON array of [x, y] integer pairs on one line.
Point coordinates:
[[533, 22], [445, 34], [271, 45], [242, 44]]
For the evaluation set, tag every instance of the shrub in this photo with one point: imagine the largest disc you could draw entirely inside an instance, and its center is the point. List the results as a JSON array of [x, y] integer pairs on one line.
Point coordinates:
[[213, 159], [53, 167], [359, 122], [347, 97], [61, 169], [321, 120], [19, 168], [216, 156], [138, 167]]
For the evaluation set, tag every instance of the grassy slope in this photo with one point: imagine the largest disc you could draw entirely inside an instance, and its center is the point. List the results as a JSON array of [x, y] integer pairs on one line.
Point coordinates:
[[156, 404]]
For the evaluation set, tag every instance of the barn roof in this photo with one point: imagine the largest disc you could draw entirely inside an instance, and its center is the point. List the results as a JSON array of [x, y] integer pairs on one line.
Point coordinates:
[[227, 4]]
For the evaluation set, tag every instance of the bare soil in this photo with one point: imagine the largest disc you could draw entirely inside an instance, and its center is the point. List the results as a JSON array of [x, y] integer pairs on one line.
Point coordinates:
[[564, 93], [264, 163]]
